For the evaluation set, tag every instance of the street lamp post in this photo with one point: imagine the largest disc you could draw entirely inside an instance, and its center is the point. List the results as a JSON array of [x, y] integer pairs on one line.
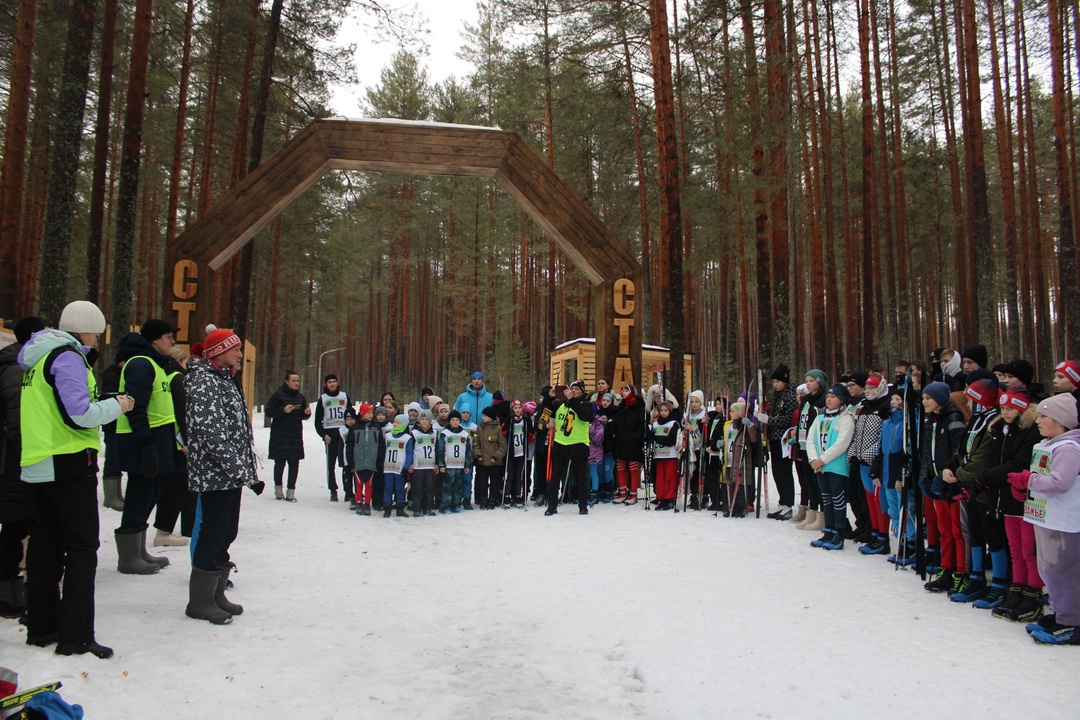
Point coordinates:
[[321, 356]]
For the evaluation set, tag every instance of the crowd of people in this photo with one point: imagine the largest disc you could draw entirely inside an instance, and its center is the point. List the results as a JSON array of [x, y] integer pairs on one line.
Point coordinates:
[[953, 466]]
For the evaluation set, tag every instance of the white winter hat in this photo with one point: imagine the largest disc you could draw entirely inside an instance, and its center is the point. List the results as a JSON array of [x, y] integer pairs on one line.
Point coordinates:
[[82, 316], [412, 406]]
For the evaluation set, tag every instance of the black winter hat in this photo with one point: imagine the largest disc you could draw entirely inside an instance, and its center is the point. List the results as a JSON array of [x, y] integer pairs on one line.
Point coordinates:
[[490, 412], [935, 354], [27, 327], [1020, 369], [544, 391], [154, 329], [453, 414], [426, 391], [498, 396], [781, 373], [980, 373], [978, 353], [859, 378]]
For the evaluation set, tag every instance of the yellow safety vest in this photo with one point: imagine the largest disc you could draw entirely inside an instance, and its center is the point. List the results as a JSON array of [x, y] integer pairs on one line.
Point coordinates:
[[44, 432], [160, 410]]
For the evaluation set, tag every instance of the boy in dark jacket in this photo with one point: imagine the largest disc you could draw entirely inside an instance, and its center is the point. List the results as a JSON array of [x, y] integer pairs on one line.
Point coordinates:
[[364, 448], [943, 433]]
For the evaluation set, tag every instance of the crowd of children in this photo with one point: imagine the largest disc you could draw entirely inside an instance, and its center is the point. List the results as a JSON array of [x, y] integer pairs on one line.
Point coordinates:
[[954, 468]]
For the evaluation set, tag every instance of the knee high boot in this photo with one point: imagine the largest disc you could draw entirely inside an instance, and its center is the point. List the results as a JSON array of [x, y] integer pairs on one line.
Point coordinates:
[[159, 560], [202, 586], [219, 593], [110, 487], [129, 549]]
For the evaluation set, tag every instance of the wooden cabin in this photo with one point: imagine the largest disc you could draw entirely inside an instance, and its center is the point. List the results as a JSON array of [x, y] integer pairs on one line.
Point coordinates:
[[577, 359]]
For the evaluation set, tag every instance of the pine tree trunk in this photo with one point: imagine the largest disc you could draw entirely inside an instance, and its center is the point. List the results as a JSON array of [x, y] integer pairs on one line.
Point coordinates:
[[16, 130], [1066, 244], [64, 158], [128, 191], [670, 210], [101, 152]]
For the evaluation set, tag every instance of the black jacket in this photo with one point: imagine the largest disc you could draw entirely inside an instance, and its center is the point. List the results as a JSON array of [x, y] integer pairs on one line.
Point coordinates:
[[628, 430], [1016, 446], [16, 499], [286, 428]]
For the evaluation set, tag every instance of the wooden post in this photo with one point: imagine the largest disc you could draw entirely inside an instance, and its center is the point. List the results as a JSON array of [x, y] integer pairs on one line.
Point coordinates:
[[618, 318]]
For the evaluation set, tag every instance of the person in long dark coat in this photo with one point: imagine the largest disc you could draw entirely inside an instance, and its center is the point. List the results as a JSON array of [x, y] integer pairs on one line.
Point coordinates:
[[287, 409]]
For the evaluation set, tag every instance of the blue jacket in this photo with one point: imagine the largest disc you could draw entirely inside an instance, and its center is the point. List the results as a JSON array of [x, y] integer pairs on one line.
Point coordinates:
[[888, 465], [474, 401]]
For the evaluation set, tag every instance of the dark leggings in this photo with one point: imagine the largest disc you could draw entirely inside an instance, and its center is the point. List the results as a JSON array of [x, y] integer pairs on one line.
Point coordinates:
[[279, 471], [809, 492], [782, 473]]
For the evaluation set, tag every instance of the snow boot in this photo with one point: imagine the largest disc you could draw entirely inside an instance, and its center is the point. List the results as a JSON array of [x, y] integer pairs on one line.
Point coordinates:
[[944, 581], [466, 504], [593, 499], [1030, 607], [279, 492], [112, 497], [540, 501], [995, 595], [202, 588], [825, 538], [290, 495], [159, 560], [693, 503], [799, 517], [167, 539], [1057, 635], [129, 551], [12, 599], [835, 543], [972, 590], [816, 523], [219, 593], [878, 546], [93, 647], [1012, 598], [401, 511], [583, 511], [549, 512], [333, 496], [631, 499], [387, 511], [959, 581], [620, 496]]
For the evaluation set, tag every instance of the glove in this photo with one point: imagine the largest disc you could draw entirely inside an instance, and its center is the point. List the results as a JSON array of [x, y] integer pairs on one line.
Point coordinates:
[[937, 488], [148, 464], [1020, 495], [965, 494], [258, 487], [747, 421], [1020, 480], [762, 417]]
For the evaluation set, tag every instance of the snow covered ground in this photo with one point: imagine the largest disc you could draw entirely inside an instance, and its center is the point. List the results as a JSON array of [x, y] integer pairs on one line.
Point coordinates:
[[510, 614]]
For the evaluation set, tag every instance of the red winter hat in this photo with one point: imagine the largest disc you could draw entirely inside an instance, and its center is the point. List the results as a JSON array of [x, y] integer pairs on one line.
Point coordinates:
[[984, 392], [220, 341], [365, 408], [874, 381], [1015, 399], [197, 350], [1071, 370]]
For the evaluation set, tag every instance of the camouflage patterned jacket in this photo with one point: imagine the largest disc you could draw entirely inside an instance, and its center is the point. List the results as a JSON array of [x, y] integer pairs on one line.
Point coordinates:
[[220, 455]]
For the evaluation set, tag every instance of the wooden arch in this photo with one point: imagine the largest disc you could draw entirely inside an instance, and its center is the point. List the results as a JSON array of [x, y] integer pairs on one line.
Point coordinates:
[[415, 148]]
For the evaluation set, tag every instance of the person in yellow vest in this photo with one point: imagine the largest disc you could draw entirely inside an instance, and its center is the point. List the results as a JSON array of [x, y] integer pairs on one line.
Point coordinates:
[[571, 447], [59, 417], [145, 440]]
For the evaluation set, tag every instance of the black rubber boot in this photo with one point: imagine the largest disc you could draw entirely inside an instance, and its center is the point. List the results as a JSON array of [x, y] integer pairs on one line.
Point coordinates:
[[401, 511], [202, 586], [129, 550], [219, 593], [159, 560]]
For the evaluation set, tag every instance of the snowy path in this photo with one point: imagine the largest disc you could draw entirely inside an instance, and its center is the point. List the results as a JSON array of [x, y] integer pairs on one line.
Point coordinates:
[[508, 614]]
